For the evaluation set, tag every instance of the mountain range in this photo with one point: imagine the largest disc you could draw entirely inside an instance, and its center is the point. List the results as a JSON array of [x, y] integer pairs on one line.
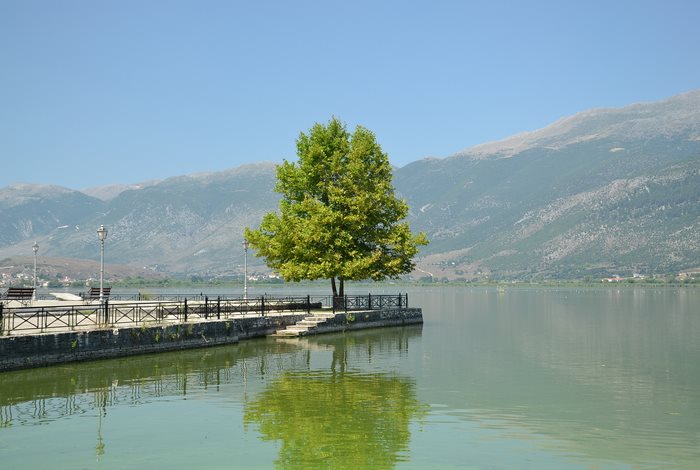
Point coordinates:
[[602, 192]]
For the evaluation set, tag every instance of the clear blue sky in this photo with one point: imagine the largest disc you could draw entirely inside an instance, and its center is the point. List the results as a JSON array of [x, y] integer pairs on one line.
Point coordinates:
[[100, 92]]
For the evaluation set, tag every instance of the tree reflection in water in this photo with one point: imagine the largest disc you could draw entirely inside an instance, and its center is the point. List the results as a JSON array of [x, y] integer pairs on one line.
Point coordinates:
[[354, 414], [336, 419]]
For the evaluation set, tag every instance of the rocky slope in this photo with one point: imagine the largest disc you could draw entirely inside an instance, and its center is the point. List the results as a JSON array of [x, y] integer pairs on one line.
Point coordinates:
[[600, 192]]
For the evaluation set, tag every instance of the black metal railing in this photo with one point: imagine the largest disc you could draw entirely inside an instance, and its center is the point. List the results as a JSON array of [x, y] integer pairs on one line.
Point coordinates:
[[118, 311], [369, 302]]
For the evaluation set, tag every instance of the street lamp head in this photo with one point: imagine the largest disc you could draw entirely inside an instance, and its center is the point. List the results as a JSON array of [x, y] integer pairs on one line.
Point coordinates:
[[102, 233], [245, 244], [35, 247]]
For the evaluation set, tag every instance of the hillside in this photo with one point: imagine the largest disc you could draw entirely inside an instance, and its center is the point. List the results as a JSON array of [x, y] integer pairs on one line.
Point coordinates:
[[30, 210], [187, 224], [63, 271], [600, 192], [606, 191]]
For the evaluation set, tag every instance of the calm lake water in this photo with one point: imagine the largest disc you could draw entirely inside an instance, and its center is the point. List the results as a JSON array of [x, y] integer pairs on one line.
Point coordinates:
[[522, 378]]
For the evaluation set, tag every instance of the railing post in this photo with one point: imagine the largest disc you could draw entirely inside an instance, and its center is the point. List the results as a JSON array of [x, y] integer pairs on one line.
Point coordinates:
[[262, 305], [369, 301], [399, 299], [185, 309], [2, 324], [106, 311], [308, 304], [218, 308], [406, 303], [345, 301], [206, 307]]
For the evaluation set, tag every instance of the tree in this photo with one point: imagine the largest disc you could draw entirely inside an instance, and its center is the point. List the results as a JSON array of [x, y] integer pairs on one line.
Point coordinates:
[[338, 217]]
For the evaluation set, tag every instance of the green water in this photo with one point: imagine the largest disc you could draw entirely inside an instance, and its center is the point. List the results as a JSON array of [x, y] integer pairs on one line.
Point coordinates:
[[526, 378]]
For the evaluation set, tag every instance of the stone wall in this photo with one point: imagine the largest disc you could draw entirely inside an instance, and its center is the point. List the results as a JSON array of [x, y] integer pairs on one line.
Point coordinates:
[[371, 319], [264, 326], [21, 352]]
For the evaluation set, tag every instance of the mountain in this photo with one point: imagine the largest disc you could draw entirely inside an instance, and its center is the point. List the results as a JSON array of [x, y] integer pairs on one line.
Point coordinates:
[[673, 118], [185, 224], [110, 191], [27, 211], [602, 192]]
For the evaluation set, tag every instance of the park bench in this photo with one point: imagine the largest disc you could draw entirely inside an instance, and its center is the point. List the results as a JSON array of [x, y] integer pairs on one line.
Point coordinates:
[[94, 293], [19, 293]]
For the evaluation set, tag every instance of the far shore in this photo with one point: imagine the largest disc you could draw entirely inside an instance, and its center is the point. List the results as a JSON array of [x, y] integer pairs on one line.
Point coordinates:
[[363, 286]]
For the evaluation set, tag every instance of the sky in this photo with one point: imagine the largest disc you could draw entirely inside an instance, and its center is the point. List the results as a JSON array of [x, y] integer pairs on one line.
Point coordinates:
[[106, 92]]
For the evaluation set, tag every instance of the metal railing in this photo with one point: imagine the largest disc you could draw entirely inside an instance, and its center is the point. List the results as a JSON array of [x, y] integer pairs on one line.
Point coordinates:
[[176, 308], [369, 302]]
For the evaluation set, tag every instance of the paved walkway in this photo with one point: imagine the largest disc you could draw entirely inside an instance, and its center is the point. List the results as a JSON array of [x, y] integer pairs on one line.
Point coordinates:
[[88, 315]]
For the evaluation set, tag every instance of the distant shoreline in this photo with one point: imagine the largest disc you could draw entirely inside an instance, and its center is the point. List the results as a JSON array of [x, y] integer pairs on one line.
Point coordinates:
[[145, 287], [692, 282]]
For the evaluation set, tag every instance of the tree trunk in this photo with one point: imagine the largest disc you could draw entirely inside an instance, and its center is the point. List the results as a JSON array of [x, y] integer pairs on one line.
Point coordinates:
[[342, 286], [335, 289]]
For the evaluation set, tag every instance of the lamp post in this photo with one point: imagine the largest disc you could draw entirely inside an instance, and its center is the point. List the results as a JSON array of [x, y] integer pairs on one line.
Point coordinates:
[[102, 235], [35, 247], [245, 269]]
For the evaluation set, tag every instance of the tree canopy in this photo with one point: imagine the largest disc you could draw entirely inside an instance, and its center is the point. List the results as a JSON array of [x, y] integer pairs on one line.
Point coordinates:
[[338, 217]]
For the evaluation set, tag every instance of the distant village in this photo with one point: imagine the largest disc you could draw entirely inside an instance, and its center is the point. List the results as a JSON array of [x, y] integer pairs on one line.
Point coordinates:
[[681, 276], [18, 276], [27, 279]]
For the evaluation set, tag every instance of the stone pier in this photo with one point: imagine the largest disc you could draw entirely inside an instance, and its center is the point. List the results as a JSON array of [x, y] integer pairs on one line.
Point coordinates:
[[45, 349]]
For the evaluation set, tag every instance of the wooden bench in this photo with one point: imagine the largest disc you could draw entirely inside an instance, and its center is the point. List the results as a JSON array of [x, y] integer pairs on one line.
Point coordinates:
[[19, 293], [94, 293]]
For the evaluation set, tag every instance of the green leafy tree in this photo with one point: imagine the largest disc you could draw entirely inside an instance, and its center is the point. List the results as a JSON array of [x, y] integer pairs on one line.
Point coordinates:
[[339, 218]]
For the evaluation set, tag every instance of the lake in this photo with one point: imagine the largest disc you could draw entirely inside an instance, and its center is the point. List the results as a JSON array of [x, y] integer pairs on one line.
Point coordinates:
[[514, 378]]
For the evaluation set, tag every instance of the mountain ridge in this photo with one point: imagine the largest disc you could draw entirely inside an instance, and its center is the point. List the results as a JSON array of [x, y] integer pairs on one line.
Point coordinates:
[[604, 191], [521, 141]]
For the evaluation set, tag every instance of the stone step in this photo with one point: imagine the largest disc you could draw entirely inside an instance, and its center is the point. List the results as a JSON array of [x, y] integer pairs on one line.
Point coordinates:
[[300, 327], [306, 326], [293, 332], [310, 322], [288, 333]]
